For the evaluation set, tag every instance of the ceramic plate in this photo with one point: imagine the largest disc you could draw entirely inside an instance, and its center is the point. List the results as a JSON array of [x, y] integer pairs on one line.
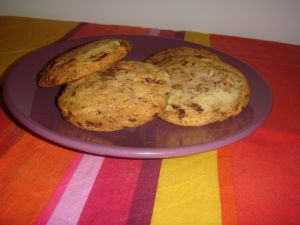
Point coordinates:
[[36, 109]]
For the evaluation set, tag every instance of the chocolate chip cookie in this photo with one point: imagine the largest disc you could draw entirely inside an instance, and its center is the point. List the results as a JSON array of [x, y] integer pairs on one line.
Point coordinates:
[[83, 60], [157, 57], [128, 94], [204, 91]]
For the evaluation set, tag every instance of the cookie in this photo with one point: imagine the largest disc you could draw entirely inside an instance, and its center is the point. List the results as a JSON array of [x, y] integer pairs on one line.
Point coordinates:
[[203, 91], [165, 134], [128, 94], [180, 51], [82, 61]]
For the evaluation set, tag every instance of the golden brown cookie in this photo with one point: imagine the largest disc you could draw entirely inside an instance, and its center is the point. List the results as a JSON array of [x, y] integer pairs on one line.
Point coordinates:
[[203, 91], [165, 134], [128, 94], [83, 60], [180, 51]]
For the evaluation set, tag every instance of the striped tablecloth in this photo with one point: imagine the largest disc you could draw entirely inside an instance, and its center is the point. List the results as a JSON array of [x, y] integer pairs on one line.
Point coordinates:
[[253, 181]]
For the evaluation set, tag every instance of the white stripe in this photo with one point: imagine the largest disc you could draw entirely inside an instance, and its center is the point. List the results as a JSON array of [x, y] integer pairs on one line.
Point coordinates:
[[69, 208], [154, 32]]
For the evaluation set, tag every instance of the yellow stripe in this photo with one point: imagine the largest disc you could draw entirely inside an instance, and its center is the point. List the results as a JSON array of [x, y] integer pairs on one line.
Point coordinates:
[[188, 188], [188, 191], [197, 37], [20, 35]]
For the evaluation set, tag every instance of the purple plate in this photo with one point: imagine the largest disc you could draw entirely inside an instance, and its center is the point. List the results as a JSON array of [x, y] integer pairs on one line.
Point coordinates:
[[36, 108]]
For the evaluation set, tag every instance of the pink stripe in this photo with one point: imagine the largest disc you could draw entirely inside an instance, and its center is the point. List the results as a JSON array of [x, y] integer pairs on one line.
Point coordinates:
[[73, 200], [154, 32], [111, 197], [59, 191]]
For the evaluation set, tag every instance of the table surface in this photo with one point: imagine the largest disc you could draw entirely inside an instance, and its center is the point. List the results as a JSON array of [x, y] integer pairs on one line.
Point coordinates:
[[253, 181]]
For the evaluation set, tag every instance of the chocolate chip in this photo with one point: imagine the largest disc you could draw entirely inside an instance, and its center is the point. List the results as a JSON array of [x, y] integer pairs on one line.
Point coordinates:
[[149, 80], [175, 106], [94, 124], [223, 114], [177, 86], [184, 62], [196, 107], [132, 119], [181, 113], [155, 115], [52, 81], [98, 58], [107, 75], [68, 115], [199, 56], [70, 60]]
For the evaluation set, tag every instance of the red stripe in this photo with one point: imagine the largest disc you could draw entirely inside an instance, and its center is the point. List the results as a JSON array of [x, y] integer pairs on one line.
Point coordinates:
[[267, 179], [167, 33], [3, 113], [143, 200], [266, 165], [9, 137], [90, 30], [73, 32], [226, 187], [279, 64], [9, 132], [111, 197]]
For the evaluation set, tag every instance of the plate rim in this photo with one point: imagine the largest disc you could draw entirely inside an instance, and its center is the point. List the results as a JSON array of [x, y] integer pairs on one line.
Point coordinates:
[[125, 151]]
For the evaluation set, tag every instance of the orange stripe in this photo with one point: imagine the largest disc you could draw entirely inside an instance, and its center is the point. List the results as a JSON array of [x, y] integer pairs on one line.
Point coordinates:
[[226, 187], [29, 173], [19, 36], [226, 183]]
